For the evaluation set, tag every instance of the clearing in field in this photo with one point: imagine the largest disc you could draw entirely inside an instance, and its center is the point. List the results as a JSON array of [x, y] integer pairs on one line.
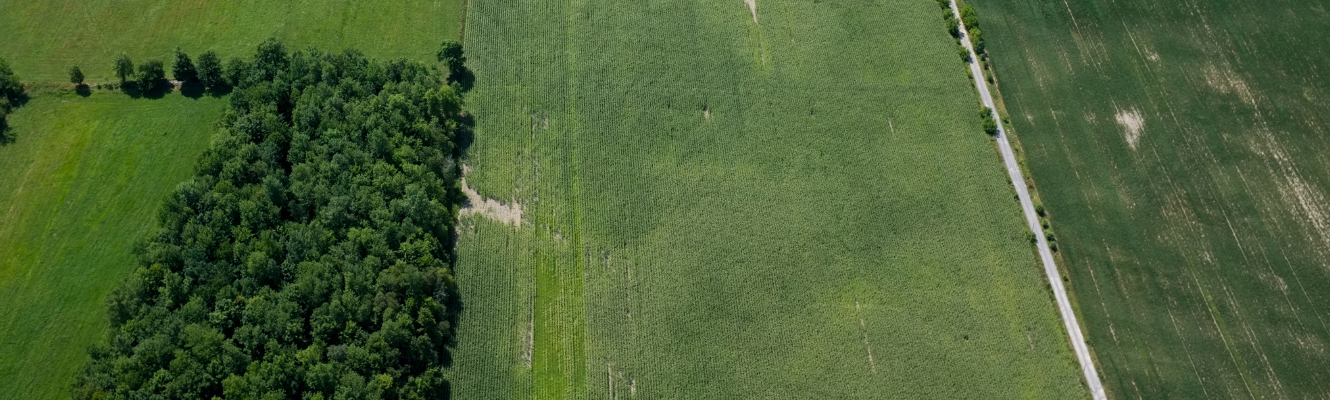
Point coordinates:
[[1195, 227], [82, 181], [716, 208]]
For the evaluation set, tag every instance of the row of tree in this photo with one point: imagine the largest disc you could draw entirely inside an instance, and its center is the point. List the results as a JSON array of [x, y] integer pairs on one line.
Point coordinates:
[[210, 74], [311, 255], [971, 23]]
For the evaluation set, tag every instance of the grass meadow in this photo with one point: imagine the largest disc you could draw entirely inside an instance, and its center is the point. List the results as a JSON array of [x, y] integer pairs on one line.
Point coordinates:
[[42, 39], [82, 180], [1179, 147], [717, 205]]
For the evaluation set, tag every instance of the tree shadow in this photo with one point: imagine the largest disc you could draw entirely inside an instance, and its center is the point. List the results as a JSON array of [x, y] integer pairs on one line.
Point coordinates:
[[5, 136], [219, 90], [192, 89], [82, 90], [151, 91], [464, 79], [465, 133]]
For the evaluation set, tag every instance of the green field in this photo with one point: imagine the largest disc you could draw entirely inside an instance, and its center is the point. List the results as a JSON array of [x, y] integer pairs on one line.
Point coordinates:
[[720, 208], [42, 39], [1180, 148], [83, 179]]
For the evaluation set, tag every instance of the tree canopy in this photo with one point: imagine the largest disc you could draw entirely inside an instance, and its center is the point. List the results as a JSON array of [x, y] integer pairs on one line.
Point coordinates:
[[75, 75], [183, 68], [210, 70], [124, 67], [151, 75], [11, 94], [310, 256]]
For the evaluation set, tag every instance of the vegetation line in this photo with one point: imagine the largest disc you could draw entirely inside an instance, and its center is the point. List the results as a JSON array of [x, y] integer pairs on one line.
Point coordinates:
[[1031, 215]]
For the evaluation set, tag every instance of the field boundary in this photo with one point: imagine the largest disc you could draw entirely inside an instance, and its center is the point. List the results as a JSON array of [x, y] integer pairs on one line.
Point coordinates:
[[1032, 218]]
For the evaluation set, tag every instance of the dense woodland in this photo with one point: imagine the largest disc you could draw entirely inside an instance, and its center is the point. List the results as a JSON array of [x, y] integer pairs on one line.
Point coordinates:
[[310, 256]]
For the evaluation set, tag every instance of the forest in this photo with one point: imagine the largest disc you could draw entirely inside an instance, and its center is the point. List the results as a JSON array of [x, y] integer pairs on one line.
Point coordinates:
[[310, 256]]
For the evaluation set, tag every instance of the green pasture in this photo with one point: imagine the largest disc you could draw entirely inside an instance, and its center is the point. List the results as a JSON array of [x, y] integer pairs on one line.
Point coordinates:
[[42, 39], [1180, 150], [82, 180], [717, 207]]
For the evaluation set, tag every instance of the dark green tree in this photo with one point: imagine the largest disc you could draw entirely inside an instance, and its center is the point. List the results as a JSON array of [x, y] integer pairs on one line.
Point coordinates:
[[450, 53], [11, 94], [210, 70], [124, 67], [152, 74], [183, 68], [990, 125], [969, 17], [235, 72], [949, 19], [977, 39], [75, 76]]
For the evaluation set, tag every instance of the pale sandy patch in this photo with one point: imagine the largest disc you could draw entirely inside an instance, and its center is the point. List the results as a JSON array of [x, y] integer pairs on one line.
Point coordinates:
[[489, 208], [752, 7], [1132, 125], [1224, 80]]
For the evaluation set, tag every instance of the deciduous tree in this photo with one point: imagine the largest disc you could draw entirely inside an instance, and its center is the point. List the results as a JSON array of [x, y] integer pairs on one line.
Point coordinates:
[[124, 67]]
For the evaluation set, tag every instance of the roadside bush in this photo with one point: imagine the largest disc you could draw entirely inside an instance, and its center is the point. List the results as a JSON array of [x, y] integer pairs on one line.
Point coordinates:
[[990, 125], [310, 256], [953, 28], [1039, 208], [963, 52], [977, 40], [969, 17]]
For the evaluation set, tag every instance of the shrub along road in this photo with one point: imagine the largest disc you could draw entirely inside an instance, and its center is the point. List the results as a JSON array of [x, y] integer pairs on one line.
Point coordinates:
[[1032, 218]]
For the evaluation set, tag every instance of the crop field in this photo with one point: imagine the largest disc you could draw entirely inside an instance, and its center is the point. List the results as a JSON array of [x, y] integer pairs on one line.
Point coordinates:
[[1180, 149], [725, 202], [82, 180], [42, 39]]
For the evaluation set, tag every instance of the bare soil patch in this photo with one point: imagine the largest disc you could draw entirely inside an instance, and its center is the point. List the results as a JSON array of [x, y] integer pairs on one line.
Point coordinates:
[[489, 208], [1132, 125]]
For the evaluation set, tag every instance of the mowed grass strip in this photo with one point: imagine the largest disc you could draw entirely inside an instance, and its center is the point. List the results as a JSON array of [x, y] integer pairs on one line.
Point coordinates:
[[83, 180], [42, 39], [717, 207], [1180, 149]]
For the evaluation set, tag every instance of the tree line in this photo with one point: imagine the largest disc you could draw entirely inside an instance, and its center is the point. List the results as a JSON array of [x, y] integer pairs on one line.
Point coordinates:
[[310, 257]]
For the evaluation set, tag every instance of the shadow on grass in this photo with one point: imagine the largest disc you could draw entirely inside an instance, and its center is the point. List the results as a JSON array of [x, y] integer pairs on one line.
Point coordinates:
[[152, 91], [192, 89], [83, 90]]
